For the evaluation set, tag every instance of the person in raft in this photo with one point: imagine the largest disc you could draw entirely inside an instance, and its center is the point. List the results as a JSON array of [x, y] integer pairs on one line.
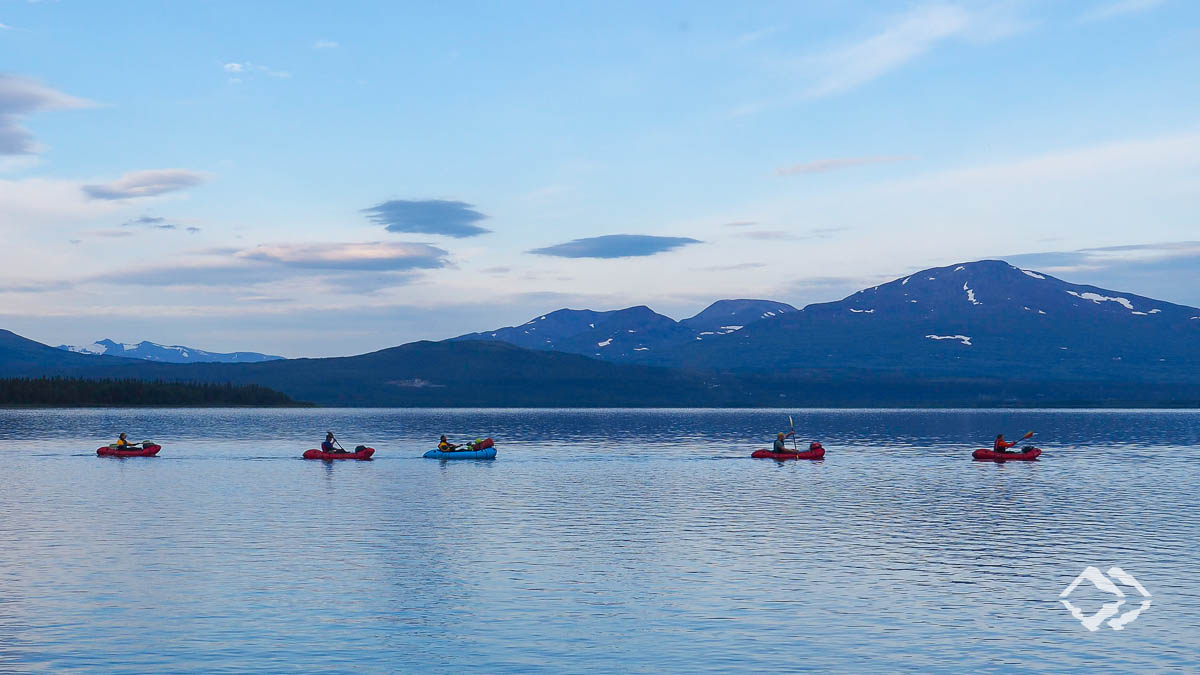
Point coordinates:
[[780, 446], [123, 443], [327, 445], [1002, 445], [446, 446]]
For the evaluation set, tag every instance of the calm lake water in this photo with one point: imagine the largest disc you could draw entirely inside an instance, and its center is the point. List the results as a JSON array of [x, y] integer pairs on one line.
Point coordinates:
[[598, 541]]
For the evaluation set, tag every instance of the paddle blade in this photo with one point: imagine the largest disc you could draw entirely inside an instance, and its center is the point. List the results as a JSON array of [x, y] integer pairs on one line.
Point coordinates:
[[1028, 435]]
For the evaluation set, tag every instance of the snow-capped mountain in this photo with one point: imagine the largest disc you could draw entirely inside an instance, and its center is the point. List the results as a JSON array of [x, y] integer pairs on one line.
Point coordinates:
[[151, 351], [624, 334], [977, 319], [981, 318]]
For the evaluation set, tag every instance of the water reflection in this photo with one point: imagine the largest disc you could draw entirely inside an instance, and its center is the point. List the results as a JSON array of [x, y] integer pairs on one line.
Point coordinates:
[[598, 540]]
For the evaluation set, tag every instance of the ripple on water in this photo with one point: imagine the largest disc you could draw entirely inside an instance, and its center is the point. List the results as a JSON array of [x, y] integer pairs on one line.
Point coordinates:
[[600, 540]]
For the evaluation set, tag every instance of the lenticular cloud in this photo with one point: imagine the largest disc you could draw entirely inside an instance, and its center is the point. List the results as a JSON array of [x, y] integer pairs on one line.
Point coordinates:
[[137, 184]]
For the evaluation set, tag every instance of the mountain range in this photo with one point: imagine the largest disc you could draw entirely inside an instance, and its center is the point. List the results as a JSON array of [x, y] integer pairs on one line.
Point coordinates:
[[976, 334], [622, 335], [152, 351], [986, 318]]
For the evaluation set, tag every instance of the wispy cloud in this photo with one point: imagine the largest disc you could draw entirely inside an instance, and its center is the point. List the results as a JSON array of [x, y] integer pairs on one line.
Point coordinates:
[[1168, 270], [239, 70], [148, 221], [137, 184], [1110, 10], [754, 36], [795, 235], [1177, 153], [428, 216], [342, 267], [731, 268], [111, 234], [28, 286], [908, 37], [832, 164], [356, 256], [21, 96], [325, 44], [615, 246], [1107, 256], [767, 235], [158, 223]]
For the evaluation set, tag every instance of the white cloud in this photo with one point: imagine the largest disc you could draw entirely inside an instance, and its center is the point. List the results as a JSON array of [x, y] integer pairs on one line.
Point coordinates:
[[351, 256], [247, 68], [1111, 10], [39, 202], [823, 165], [152, 183], [910, 36], [1128, 158], [21, 96], [325, 44]]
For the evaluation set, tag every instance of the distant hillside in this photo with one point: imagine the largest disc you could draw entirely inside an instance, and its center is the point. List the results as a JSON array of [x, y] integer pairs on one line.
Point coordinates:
[[416, 374], [626, 334], [72, 392], [152, 351]]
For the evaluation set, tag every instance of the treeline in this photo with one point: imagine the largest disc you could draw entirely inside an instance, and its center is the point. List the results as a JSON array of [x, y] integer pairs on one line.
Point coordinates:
[[76, 392]]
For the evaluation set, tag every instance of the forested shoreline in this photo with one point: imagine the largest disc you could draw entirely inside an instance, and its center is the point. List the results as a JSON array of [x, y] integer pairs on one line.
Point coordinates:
[[69, 392]]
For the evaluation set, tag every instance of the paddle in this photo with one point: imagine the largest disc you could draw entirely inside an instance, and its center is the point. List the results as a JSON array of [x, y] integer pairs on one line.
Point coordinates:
[[1026, 436], [339, 444], [793, 426]]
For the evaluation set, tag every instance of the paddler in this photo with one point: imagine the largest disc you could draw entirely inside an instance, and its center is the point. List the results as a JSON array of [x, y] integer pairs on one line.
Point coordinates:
[[446, 446], [1002, 445], [329, 444], [123, 443], [780, 446]]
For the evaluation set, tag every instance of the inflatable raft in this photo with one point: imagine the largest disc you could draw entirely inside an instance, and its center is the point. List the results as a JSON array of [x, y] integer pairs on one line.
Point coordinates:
[[1027, 454], [364, 453], [113, 451], [815, 451], [484, 449]]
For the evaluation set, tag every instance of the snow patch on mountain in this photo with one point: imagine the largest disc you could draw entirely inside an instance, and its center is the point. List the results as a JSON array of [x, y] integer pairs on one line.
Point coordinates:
[[965, 339], [95, 349], [862, 311], [1035, 275], [1097, 298], [605, 343], [970, 295]]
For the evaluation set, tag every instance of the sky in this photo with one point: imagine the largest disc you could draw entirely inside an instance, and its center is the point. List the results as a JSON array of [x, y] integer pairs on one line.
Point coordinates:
[[318, 178]]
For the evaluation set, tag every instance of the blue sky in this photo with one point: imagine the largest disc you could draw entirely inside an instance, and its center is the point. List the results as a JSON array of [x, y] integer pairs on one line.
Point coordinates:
[[315, 178]]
